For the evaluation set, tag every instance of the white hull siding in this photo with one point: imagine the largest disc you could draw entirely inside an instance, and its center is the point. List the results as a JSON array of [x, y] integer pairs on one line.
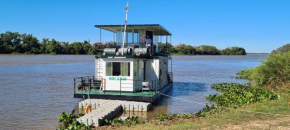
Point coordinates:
[[117, 83], [99, 65], [156, 74], [163, 62]]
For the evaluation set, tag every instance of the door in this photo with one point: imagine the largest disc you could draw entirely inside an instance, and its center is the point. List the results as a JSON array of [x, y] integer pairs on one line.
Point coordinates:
[[150, 34], [144, 70]]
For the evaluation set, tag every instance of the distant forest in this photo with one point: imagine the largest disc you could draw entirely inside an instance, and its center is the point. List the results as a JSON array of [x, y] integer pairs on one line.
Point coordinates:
[[15, 43]]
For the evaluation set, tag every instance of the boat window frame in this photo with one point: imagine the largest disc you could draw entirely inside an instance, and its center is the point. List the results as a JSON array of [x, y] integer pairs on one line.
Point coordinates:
[[110, 71]]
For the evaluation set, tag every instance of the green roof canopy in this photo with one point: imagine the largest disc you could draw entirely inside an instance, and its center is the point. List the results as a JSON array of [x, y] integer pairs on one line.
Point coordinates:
[[157, 28]]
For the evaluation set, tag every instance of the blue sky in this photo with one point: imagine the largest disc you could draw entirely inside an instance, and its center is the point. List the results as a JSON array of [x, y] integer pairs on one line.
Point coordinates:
[[256, 25]]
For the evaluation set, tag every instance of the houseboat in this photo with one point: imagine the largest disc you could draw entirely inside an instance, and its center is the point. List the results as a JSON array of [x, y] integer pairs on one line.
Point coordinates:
[[130, 68]]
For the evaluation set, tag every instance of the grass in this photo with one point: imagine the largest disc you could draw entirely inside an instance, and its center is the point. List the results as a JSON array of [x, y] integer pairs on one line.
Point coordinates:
[[233, 119]]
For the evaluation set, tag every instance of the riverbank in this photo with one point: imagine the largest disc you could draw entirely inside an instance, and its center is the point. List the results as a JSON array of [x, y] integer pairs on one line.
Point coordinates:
[[252, 106], [245, 117]]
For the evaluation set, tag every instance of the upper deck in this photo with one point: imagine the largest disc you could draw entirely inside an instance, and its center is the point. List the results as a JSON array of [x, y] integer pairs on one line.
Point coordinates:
[[134, 44]]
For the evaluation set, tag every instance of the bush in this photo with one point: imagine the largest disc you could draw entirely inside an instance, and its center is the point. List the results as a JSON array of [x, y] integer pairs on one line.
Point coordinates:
[[245, 74], [283, 49], [69, 122], [130, 121], [274, 72]]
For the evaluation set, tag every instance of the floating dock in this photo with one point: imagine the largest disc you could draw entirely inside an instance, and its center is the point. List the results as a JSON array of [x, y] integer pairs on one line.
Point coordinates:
[[109, 109]]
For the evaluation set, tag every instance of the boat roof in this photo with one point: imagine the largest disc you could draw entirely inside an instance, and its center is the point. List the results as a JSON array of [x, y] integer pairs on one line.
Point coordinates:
[[157, 28]]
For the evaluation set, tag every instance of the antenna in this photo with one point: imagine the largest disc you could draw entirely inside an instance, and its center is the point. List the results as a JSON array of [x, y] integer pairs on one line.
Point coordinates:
[[125, 27]]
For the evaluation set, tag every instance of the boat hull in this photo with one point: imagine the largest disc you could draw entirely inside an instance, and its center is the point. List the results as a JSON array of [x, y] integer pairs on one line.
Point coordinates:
[[152, 98]]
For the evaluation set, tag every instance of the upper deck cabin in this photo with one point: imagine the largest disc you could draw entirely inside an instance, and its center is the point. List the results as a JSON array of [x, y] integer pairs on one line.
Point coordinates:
[[133, 72], [135, 39]]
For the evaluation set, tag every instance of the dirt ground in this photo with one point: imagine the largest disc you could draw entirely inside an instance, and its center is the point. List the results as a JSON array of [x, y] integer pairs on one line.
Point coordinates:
[[277, 124]]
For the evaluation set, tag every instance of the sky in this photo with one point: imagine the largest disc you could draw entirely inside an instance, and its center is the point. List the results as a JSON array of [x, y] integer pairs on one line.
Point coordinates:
[[259, 26]]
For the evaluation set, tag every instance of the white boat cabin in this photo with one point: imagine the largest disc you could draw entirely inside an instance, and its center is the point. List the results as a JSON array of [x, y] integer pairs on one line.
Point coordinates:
[[134, 67]]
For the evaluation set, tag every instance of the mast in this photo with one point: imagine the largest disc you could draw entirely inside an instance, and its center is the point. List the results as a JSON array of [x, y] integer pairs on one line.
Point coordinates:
[[125, 27]]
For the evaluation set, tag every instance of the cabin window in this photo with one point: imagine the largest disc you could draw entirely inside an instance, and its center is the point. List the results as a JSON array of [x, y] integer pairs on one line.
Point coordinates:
[[109, 68], [119, 37], [125, 68], [135, 68], [117, 68], [136, 36], [130, 38]]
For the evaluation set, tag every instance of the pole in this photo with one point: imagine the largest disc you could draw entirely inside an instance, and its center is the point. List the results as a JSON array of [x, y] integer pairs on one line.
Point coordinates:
[[100, 35], [125, 27]]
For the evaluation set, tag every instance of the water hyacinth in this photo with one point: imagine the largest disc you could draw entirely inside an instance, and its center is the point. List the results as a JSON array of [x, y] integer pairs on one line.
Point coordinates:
[[234, 94]]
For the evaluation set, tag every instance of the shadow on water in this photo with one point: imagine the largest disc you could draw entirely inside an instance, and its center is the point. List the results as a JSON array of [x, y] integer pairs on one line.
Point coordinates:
[[190, 91]]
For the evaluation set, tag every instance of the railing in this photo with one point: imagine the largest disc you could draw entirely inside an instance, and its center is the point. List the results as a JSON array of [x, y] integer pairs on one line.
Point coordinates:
[[162, 52], [170, 76], [88, 83]]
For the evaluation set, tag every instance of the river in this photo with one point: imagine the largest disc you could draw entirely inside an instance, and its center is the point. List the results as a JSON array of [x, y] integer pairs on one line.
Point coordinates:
[[36, 89]]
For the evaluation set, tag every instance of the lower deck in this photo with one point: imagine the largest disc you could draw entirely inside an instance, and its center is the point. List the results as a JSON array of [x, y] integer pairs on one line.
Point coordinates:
[[145, 96]]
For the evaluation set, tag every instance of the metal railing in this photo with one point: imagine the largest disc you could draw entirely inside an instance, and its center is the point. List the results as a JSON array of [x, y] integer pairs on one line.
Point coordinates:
[[89, 83]]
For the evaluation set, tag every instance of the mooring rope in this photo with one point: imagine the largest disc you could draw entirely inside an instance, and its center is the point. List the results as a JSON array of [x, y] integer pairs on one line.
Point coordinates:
[[265, 113]]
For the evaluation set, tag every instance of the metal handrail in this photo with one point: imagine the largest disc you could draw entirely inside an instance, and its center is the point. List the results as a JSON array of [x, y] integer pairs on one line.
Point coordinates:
[[87, 83]]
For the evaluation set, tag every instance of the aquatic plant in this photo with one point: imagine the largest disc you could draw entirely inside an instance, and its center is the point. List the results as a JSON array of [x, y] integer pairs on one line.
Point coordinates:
[[130, 121], [69, 122], [234, 94]]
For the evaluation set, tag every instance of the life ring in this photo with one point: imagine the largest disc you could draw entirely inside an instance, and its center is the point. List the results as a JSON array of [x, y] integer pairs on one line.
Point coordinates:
[[88, 109]]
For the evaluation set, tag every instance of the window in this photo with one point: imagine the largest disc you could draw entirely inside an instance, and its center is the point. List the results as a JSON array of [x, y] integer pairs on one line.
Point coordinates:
[[136, 37], [117, 68], [109, 68], [135, 67], [129, 37], [125, 67], [119, 37]]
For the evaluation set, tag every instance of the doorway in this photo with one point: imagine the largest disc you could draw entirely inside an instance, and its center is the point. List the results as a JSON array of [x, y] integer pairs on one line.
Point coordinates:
[[144, 70], [150, 34]]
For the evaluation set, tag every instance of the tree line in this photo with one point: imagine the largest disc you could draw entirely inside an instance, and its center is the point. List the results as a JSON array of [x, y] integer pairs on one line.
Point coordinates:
[[16, 43], [183, 49]]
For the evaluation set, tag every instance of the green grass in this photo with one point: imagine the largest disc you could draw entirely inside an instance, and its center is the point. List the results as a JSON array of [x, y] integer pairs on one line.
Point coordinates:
[[231, 118]]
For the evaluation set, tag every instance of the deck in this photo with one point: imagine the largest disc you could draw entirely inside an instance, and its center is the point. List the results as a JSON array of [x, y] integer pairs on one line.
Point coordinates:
[[146, 96]]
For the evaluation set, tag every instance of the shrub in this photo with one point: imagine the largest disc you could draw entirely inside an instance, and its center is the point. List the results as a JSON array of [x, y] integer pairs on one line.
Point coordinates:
[[283, 49], [274, 72], [69, 121], [245, 74]]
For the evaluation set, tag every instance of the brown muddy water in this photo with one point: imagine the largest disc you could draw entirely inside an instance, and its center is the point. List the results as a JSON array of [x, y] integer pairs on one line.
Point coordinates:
[[36, 89]]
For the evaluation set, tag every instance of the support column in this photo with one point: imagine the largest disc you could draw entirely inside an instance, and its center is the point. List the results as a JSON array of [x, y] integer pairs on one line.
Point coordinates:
[[100, 35]]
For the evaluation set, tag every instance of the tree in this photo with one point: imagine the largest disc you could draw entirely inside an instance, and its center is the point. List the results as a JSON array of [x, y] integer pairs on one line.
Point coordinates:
[[234, 51], [207, 50], [10, 42], [51, 47], [97, 48], [283, 49], [30, 44], [87, 47], [43, 45], [76, 47]]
